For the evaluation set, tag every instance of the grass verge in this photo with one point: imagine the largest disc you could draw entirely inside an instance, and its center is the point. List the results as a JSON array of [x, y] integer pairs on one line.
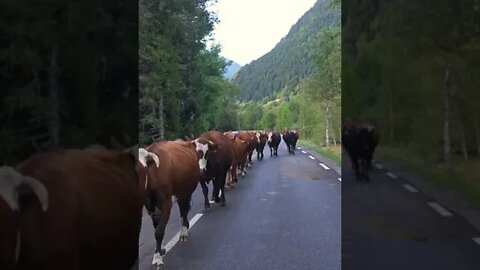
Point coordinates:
[[333, 153], [463, 177]]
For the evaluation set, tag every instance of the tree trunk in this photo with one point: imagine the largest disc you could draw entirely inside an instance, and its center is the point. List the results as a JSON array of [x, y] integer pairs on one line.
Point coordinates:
[[160, 118], [461, 132], [327, 139], [333, 132], [54, 123], [446, 117]]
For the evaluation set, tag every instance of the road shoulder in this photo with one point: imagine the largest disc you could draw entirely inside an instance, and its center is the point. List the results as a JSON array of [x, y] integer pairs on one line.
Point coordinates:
[[448, 198]]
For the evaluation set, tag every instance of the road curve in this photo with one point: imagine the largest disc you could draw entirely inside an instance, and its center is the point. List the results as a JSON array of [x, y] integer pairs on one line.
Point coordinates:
[[285, 214]]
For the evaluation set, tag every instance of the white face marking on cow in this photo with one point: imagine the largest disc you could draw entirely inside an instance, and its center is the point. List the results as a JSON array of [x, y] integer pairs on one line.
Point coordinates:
[[270, 136], [257, 134], [157, 259], [202, 162], [10, 179]]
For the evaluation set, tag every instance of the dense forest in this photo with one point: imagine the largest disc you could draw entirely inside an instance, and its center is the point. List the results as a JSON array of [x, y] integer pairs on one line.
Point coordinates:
[[418, 84], [291, 60], [69, 75], [412, 68], [312, 104], [182, 88]]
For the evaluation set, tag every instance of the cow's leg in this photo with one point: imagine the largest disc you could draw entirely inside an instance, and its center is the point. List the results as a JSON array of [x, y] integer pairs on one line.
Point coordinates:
[[222, 196], [160, 220], [184, 206], [206, 206], [271, 152]]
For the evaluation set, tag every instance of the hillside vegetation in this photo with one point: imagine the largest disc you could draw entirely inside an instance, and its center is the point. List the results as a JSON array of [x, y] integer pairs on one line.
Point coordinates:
[[291, 60], [313, 106]]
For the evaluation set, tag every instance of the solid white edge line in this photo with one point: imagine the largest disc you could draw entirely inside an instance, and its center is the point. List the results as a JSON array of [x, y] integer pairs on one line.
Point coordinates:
[[311, 157], [324, 166], [440, 210], [391, 175], [476, 240], [410, 188], [175, 239], [304, 152]]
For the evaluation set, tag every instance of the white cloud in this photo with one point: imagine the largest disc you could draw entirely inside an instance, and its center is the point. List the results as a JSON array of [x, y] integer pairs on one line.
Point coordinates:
[[249, 29]]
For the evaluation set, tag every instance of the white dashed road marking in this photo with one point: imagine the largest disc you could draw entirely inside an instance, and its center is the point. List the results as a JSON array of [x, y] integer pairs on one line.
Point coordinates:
[[476, 240], [304, 152], [324, 166], [391, 175], [440, 210], [410, 188], [311, 157], [175, 239]]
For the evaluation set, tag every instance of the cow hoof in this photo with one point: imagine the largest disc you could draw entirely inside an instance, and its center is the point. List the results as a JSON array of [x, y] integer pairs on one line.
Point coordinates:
[[183, 238], [206, 210]]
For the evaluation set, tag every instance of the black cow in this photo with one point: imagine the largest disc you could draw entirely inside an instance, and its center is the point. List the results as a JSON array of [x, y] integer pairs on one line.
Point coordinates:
[[290, 138], [360, 142], [273, 142]]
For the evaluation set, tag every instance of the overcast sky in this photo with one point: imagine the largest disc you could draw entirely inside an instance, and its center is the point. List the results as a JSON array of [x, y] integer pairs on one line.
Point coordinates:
[[249, 29]]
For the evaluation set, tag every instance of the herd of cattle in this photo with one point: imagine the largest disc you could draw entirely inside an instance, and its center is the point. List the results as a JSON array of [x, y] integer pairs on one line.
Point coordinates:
[[82, 209]]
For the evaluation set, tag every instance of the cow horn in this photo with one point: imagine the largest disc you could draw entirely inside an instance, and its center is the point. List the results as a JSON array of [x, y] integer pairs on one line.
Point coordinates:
[[11, 179], [143, 156]]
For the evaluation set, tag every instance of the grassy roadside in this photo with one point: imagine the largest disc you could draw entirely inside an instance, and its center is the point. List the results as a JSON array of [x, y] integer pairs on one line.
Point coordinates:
[[333, 153], [463, 177]]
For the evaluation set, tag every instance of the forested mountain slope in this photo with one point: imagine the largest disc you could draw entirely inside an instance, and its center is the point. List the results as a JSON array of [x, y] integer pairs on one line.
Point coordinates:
[[292, 59]]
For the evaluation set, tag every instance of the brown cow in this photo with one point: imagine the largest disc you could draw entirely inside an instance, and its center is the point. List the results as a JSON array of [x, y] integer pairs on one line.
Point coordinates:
[[253, 138], [72, 209], [273, 142], [240, 155], [177, 177], [219, 161]]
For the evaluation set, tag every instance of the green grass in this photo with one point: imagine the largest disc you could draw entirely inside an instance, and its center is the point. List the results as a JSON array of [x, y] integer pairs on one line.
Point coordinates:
[[333, 153], [463, 177]]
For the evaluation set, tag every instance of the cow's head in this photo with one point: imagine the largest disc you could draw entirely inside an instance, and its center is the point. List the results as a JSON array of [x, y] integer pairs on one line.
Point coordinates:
[[257, 134], [269, 137], [203, 147], [145, 159]]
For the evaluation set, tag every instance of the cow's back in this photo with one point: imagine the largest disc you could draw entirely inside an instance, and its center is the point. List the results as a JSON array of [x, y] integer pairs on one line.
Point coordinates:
[[178, 172]]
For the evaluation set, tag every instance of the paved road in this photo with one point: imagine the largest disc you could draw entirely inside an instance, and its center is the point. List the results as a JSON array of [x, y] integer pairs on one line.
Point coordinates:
[[285, 214], [392, 225]]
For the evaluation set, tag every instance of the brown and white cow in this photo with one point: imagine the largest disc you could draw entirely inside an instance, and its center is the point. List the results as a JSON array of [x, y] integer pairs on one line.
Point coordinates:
[[263, 138], [273, 141], [219, 160], [71, 209], [175, 178]]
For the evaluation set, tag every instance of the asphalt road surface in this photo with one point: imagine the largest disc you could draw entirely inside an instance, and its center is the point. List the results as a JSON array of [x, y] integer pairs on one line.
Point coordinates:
[[284, 214], [389, 224]]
